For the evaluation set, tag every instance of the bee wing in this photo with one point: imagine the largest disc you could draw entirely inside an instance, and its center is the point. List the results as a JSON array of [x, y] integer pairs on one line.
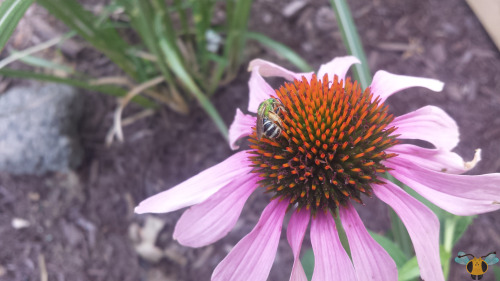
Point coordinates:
[[491, 259], [260, 125], [461, 258]]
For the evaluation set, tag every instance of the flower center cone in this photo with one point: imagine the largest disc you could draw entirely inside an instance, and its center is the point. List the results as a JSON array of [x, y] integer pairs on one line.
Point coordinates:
[[331, 148]]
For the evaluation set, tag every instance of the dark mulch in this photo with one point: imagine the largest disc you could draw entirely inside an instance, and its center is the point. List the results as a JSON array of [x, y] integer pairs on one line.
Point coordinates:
[[80, 222]]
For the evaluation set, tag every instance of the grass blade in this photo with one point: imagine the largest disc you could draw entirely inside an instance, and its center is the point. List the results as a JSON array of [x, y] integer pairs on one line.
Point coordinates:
[[34, 49], [141, 15], [11, 11], [237, 28], [178, 68], [40, 62], [281, 49], [85, 84], [106, 40], [352, 42]]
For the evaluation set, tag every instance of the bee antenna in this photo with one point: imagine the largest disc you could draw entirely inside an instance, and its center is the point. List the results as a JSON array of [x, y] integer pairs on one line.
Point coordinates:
[[466, 255], [489, 254]]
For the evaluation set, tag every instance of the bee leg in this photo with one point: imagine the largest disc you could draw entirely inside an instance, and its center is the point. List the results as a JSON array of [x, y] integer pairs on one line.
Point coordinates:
[[479, 277], [275, 118]]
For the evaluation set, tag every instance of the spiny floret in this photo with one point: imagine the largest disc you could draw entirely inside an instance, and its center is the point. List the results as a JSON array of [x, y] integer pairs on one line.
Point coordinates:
[[331, 147]]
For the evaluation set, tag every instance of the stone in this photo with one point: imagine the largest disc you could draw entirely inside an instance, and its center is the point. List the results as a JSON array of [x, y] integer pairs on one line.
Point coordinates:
[[39, 129]]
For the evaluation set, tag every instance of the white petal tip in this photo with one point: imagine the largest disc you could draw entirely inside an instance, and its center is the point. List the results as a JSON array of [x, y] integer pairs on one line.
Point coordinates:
[[138, 210], [437, 86], [143, 209], [252, 64], [355, 60], [471, 164]]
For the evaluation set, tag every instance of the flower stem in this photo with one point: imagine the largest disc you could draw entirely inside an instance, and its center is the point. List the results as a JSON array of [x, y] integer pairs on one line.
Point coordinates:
[[401, 236], [342, 235]]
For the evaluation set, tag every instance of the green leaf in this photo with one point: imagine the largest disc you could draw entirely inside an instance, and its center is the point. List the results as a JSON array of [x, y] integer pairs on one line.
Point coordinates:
[[11, 11], [496, 271], [342, 235], [107, 89], [462, 225], [281, 50], [409, 270], [307, 261], [394, 251], [351, 41]]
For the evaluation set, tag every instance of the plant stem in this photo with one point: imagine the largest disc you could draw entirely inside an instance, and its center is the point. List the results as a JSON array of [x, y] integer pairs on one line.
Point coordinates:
[[351, 41]]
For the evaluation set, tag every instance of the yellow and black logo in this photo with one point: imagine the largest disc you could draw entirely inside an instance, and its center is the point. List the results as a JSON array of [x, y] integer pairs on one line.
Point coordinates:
[[476, 266]]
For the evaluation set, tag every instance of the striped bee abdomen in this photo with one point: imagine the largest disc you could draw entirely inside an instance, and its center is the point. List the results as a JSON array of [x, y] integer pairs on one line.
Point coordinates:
[[271, 129]]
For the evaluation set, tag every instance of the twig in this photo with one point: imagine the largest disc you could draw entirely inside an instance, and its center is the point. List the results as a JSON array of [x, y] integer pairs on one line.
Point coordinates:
[[32, 50], [128, 121], [44, 276], [116, 130], [114, 80]]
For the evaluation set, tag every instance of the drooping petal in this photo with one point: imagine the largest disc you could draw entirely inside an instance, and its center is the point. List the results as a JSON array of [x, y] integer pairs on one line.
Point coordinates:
[[438, 160], [331, 261], [422, 225], [241, 127], [295, 235], [209, 221], [253, 256], [259, 90], [429, 123], [385, 84], [338, 66], [367, 254], [269, 69], [461, 195], [198, 188]]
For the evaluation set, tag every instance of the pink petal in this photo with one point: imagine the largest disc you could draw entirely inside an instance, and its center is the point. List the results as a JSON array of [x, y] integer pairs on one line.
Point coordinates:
[[241, 127], [385, 84], [331, 261], [438, 160], [461, 195], [197, 188], [338, 66], [295, 234], [269, 69], [212, 219], [253, 256], [422, 225], [259, 90], [428, 123], [367, 255]]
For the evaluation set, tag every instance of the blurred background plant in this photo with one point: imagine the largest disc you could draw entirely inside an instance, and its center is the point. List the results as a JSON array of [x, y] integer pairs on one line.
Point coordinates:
[[183, 54]]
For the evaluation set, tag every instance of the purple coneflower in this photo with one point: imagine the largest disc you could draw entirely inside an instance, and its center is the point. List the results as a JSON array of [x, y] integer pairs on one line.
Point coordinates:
[[336, 143]]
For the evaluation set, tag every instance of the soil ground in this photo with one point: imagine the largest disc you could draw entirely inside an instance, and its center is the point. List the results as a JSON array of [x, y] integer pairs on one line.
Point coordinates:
[[81, 223]]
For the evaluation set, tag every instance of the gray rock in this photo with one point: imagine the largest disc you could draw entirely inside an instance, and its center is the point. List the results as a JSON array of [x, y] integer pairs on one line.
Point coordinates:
[[38, 129]]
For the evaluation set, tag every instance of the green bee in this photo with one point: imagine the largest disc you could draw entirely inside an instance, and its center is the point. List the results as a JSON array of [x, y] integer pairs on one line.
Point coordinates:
[[269, 122]]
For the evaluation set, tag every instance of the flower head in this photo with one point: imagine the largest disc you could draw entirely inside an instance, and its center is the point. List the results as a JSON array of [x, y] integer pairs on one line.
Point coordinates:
[[331, 148], [329, 142]]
